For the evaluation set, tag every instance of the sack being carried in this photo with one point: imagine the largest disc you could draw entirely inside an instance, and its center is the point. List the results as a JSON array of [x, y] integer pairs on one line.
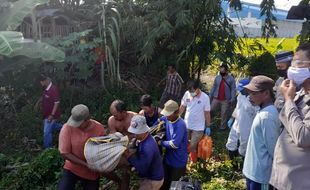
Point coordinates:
[[104, 153]]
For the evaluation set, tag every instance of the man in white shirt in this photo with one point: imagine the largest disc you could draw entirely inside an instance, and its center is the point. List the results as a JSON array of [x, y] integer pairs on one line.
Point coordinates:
[[197, 115]]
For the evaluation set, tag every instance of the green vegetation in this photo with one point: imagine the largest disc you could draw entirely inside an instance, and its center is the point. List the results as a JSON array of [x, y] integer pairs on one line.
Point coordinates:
[[121, 54]]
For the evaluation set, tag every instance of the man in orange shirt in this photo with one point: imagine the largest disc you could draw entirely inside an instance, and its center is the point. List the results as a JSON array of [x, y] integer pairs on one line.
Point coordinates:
[[72, 139]]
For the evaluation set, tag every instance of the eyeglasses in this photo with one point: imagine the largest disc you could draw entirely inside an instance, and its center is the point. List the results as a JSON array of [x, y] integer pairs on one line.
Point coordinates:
[[299, 62]]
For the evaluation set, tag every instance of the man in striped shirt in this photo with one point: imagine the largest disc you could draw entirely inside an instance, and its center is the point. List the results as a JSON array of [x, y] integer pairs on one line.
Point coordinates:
[[173, 86]]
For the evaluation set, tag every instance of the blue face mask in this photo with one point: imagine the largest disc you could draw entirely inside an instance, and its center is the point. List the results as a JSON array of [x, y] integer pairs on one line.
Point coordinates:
[[193, 94]]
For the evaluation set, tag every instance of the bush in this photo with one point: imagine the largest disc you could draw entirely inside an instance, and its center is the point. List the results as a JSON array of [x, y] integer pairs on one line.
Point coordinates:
[[217, 175], [263, 65], [41, 173]]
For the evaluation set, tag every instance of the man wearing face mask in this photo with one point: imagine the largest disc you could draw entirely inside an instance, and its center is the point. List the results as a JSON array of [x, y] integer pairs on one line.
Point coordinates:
[[291, 166], [223, 94], [197, 115], [283, 61]]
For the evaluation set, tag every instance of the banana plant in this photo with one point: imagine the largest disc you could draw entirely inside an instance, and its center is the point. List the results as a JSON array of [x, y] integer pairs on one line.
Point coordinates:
[[12, 43], [14, 13]]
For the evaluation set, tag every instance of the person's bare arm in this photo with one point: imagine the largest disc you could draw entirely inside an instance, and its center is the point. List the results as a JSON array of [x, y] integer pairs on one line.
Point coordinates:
[[111, 125], [37, 104], [74, 159], [141, 112], [181, 109], [208, 118]]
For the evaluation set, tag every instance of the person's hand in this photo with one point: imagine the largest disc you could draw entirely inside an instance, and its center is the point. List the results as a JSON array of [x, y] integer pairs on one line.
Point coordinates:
[[288, 89], [207, 131], [159, 142], [37, 106], [50, 118], [127, 153]]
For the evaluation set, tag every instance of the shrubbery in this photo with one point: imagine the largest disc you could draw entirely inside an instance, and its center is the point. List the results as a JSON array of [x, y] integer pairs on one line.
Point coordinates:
[[41, 173]]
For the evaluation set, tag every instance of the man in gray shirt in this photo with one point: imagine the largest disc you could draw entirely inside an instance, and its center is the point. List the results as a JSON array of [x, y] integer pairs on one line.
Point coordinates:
[[291, 164], [223, 93]]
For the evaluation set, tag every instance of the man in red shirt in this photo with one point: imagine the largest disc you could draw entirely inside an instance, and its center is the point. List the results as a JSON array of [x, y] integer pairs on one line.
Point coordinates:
[[50, 110], [223, 94], [73, 136]]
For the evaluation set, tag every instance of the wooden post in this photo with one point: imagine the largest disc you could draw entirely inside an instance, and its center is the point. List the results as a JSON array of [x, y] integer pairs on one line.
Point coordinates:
[[34, 25], [53, 27]]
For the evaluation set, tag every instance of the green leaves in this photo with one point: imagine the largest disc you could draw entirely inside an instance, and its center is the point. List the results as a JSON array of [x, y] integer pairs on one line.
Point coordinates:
[[9, 42], [13, 44], [269, 26], [12, 16]]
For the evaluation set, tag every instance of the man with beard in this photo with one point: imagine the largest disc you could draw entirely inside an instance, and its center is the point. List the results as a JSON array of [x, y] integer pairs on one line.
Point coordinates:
[[283, 62]]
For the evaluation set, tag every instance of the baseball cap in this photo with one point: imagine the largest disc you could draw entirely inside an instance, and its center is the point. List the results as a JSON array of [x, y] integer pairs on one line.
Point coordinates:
[[138, 125], [284, 56], [242, 83], [260, 83], [79, 114], [170, 107]]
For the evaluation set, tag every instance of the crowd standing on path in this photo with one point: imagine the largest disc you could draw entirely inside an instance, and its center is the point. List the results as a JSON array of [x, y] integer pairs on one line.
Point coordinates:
[[271, 133]]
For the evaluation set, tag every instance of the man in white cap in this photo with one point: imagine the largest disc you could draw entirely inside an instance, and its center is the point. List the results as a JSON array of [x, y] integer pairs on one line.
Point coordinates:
[[175, 158], [72, 139], [146, 160]]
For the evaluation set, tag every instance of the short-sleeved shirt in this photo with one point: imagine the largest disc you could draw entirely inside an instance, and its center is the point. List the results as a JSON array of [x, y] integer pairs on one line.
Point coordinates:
[[195, 110], [50, 96], [151, 121], [72, 140], [174, 84]]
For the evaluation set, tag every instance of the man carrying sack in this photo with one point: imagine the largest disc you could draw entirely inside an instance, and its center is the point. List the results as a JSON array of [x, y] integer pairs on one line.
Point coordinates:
[[78, 129]]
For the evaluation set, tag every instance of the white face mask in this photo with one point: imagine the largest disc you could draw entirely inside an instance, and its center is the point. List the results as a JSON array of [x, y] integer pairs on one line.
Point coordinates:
[[298, 75]]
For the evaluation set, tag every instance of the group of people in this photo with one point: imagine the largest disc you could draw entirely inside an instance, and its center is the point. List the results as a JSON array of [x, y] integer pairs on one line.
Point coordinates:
[[270, 132]]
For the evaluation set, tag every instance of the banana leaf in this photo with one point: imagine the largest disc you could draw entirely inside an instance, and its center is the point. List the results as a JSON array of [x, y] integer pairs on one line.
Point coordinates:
[[12, 17], [13, 44]]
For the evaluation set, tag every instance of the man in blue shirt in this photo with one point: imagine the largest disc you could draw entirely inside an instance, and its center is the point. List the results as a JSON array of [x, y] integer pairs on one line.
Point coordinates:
[[175, 157], [147, 160], [264, 133]]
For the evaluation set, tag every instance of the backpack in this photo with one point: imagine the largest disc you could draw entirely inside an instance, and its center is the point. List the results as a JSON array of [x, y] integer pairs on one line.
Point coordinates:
[[186, 183]]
